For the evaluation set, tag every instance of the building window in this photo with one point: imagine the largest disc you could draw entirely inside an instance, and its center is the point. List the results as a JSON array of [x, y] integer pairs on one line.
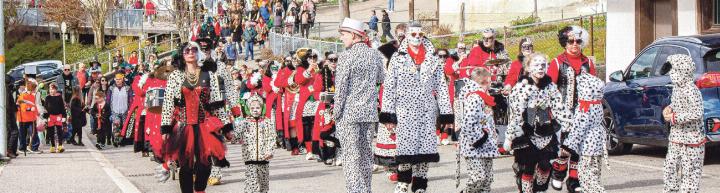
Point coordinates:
[[709, 16]]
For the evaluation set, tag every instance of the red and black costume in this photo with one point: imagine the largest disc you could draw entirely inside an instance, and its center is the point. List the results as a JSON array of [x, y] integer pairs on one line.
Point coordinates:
[[194, 116], [286, 98], [477, 58], [132, 128]]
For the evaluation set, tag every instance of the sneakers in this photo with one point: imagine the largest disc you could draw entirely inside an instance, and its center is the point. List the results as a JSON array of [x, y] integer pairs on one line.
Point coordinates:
[[338, 162], [445, 141], [52, 150], [309, 156], [556, 184], [161, 174], [98, 146], [60, 149], [295, 152], [329, 162], [213, 181], [29, 150]]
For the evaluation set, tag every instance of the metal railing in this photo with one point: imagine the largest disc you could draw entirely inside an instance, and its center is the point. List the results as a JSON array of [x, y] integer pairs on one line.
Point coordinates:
[[106, 62], [283, 44]]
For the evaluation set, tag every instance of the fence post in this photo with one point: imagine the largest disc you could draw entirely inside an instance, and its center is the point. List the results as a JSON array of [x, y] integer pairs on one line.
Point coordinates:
[[581, 21], [592, 39], [505, 34]]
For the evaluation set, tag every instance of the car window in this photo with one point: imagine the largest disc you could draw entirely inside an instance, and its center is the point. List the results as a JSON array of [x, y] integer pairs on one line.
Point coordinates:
[[661, 57], [643, 65], [45, 69], [17, 73], [712, 61]]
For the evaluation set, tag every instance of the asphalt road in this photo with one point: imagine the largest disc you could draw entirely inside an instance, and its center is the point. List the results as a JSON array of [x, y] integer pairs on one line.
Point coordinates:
[[84, 169]]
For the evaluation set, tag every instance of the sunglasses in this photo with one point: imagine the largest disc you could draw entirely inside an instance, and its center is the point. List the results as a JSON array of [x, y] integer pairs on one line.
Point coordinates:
[[103, 80], [333, 59], [575, 41], [415, 34], [66, 69], [194, 50], [442, 56], [527, 47], [488, 39], [313, 56]]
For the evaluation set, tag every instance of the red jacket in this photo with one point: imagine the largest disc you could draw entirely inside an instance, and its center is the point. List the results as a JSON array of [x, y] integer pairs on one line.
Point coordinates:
[[308, 87], [150, 8], [272, 98], [515, 72], [476, 58], [281, 81], [574, 61]]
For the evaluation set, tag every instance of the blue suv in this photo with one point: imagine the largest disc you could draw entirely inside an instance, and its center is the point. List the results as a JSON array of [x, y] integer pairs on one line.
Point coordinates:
[[635, 97]]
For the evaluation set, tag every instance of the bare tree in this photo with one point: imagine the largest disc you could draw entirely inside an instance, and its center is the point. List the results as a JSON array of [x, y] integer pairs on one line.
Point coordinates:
[[98, 11], [179, 12], [14, 16], [58, 11], [345, 8]]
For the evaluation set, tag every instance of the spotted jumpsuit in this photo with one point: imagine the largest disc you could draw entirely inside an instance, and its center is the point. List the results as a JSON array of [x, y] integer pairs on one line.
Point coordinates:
[[686, 147], [478, 142]]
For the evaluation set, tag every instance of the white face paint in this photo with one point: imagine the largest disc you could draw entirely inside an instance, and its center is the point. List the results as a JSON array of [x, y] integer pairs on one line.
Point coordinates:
[[255, 109], [414, 36], [538, 66]]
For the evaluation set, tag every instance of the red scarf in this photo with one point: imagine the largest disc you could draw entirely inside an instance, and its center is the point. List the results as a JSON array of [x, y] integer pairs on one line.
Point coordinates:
[[489, 100], [418, 56]]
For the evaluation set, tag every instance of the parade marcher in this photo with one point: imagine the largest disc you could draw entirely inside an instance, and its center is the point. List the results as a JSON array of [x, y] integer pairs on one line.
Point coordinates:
[[478, 142], [686, 149], [287, 99], [588, 136], [153, 88], [531, 132], [310, 83], [56, 116], [194, 119], [447, 61], [324, 126], [273, 100], [415, 97], [65, 83], [258, 136], [563, 71], [359, 72], [133, 125], [488, 49], [516, 67]]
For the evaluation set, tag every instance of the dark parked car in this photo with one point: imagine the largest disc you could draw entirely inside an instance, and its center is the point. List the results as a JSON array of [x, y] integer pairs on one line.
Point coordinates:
[[47, 70], [635, 97]]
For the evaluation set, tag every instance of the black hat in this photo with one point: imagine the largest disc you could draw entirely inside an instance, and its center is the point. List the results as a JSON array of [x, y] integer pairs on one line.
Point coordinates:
[[208, 41]]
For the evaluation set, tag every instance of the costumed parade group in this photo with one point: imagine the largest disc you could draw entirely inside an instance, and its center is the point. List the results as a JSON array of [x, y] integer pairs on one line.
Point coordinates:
[[390, 106]]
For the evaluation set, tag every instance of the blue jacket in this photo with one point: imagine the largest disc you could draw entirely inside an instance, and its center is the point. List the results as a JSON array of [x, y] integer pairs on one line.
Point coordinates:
[[373, 23], [231, 52]]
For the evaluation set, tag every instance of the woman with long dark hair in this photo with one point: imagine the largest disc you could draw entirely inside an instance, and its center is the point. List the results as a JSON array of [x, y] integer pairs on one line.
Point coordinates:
[[78, 118], [56, 116], [194, 119]]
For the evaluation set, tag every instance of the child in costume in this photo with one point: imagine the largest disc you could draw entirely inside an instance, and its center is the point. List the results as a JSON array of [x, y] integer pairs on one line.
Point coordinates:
[[478, 135], [257, 134]]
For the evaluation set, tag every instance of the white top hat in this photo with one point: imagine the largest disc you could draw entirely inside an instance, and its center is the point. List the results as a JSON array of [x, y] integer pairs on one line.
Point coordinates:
[[351, 25]]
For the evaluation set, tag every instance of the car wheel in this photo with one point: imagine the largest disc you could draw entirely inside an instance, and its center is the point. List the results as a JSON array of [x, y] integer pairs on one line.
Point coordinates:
[[613, 143]]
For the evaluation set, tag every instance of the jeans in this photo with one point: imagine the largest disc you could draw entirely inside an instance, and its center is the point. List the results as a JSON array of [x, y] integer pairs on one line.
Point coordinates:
[[249, 55], [386, 32], [391, 5], [24, 128]]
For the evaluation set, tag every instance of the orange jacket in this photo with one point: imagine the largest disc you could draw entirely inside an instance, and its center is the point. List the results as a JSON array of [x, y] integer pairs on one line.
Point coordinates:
[[27, 112]]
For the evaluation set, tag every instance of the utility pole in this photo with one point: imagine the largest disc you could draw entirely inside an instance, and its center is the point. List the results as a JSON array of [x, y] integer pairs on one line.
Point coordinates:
[[3, 104], [411, 9], [462, 21], [536, 10]]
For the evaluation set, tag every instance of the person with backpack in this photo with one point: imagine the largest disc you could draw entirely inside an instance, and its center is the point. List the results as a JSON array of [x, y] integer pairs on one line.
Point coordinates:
[[537, 115]]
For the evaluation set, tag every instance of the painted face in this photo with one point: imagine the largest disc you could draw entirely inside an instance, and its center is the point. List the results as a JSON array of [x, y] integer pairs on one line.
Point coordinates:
[[527, 48], [255, 109], [538, 66], [414, 36]]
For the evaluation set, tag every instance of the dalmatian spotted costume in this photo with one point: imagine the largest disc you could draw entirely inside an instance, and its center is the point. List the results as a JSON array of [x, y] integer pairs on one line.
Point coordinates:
[[686, 149], [414, 90], [358, 73], [588, 136], [532, 150], [478, 137], [258, 136]]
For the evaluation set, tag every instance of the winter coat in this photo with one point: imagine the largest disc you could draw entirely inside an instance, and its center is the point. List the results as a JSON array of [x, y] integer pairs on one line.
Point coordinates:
[[526, 94], [411, 98], [478, 135], [686, 125], [258, 136], [358, 73], [588, 136]]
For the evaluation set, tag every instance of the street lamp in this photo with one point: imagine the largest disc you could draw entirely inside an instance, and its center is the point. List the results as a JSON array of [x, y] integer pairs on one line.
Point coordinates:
[[63, 30]]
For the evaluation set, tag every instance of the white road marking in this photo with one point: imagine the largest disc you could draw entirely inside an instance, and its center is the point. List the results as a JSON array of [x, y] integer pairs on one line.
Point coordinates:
[[120, 180], [656, 168]]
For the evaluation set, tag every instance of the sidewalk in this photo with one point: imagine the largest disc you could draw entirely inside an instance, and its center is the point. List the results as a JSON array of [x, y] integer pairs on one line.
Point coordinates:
[[78, 169]]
